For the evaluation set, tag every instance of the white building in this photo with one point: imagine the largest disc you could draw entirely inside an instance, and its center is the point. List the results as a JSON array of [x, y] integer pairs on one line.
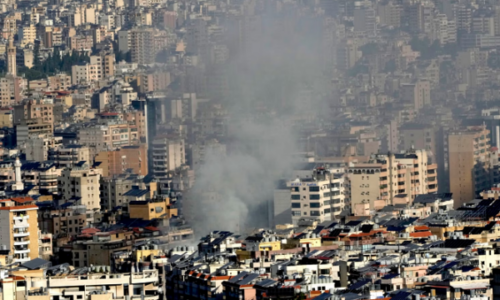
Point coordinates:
[[320, 197]]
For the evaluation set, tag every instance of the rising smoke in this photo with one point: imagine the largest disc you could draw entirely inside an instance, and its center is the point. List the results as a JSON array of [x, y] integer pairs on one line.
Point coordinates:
[[277, 78]]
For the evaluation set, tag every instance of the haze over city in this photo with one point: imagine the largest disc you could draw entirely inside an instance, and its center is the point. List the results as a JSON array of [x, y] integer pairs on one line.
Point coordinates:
[[249, 149]]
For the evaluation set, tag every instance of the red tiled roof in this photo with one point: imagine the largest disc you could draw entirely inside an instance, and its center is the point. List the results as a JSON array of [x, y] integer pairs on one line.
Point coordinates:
[[421, 228], [420, 234]]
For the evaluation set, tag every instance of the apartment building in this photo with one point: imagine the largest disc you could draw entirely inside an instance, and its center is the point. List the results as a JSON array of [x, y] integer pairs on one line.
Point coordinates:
[[114, 135], [418, 93], [59, 82], [27, 34], [319, 197], [37, 147], [141, 45], [419, 136], [154, 81], [168, 154], [70, 155], [18, 219], [155, 208], [115, 162], [469, 163], [80, 185], [97, 283], [32, 128], [115, 188], [33, 110], [85, 73], [12, 88], [42, 176], [390, 179]]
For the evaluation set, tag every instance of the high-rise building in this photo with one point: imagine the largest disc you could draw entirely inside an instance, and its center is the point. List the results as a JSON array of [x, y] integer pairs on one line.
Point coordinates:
[[80, 186], [141, 45], [11, 58], [365, 19], [390, 179], [320, 196], [469, 163], [19, 222], [418, 93], [168, 154]]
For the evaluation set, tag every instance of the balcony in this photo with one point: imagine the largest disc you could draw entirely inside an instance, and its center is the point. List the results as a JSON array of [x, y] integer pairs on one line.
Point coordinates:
[[22, 224], [21, 251], [22, 259], [21, 218], [21, 233], [21, 243]]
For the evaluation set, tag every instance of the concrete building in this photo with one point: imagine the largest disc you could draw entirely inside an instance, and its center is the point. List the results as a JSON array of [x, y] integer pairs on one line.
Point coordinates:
[[80, 185], [32, 128], [417, 94], [141, 45], [70, 155], [320, 196], [390, 179], [11, 58], [168, 154], [18, 219], [37, 148], [117, 161], [469, 163], [34, 110], [114, 188]]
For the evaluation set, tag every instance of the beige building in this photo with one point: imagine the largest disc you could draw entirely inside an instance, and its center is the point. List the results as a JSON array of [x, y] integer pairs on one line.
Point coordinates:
[[70, 155], [114, 135], [417, 94], [141, 45], [27, 34], [469, 163], [81, 185], [12, 87], [18, 220], [59, 82], [34, 110], [85, 73], [320, 196], [117, 161], [11, 58], [391, 179], [168, 154], [419, 136], [157, 208]]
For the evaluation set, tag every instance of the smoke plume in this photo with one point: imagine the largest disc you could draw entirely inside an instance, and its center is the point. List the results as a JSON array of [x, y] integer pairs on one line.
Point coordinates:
[[277, 82]]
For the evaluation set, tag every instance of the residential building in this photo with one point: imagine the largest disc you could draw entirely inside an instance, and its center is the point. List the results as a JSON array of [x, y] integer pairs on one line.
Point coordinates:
[[115, 162], [70, 155], [168, 154], [19, 233], [390, 179], [319, 197], [80, 185], [469, 163]]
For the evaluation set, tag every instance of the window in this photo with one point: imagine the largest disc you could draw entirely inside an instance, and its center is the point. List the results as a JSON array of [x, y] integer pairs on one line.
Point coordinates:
[[314, 189], [315, 213], [315, 204], [295, 205], [296, 213], [295, 197], [314, 197]]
